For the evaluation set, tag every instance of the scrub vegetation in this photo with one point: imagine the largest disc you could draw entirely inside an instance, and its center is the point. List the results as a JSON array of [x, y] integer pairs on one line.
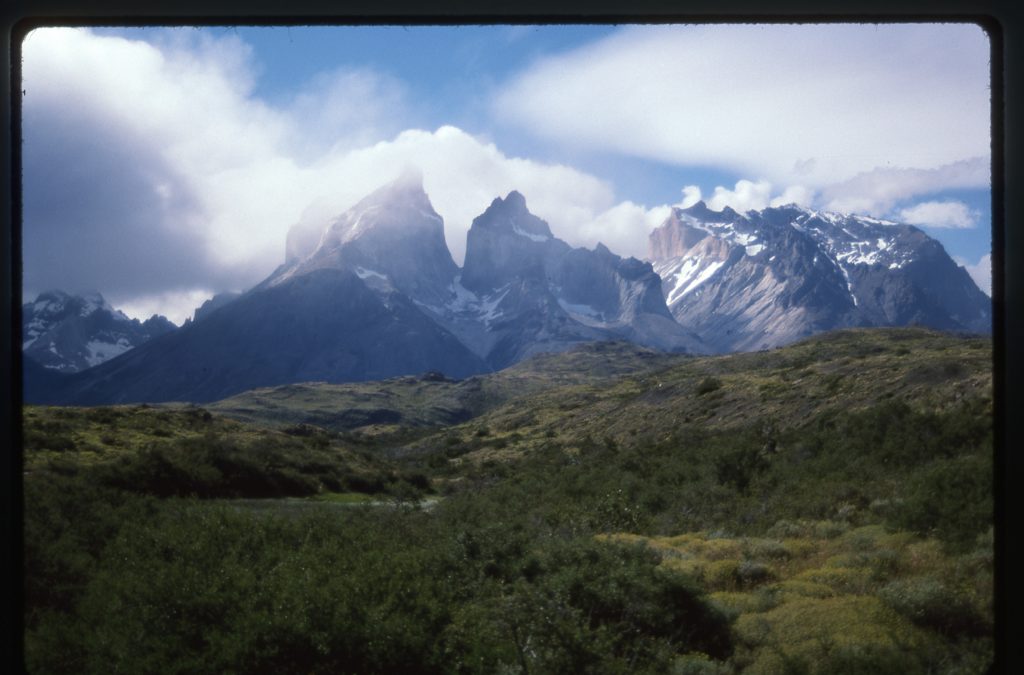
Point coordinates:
[[821, 508]]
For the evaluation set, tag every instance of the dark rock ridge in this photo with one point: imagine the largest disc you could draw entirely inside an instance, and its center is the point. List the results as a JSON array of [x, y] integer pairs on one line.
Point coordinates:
[[767, 278], [69, 333], [214, 303]]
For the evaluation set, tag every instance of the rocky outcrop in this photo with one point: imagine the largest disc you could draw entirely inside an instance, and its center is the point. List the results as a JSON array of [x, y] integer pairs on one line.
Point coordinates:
[[766, 278]]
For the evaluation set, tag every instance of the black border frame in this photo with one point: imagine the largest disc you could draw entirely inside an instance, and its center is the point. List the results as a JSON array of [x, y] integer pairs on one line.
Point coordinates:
[[1000, 22]]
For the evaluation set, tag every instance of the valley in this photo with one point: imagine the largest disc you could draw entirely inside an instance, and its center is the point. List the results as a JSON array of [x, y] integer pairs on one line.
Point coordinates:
[[821, 507]]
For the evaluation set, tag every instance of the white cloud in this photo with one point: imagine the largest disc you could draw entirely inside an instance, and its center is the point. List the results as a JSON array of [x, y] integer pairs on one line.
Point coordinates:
[[794, 194], [462, 175], [152, 167], [190, 163], [878, 191], [691, 195], [796, 104], [746, 196], [952, 214], [347, 108], [624, 228], [981, 272], [175, 305]]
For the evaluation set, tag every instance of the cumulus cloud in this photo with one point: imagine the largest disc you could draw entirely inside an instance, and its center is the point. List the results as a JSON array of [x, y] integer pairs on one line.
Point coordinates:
[[624, 228], [146, 169], [462, 175], [348, 108], [746, 196], [797, 104], [952, 214], [794, 194], [980, 271], [691, 195], [153, 173]]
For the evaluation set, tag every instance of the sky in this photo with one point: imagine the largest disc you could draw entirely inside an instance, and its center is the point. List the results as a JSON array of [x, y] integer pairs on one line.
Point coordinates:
[[163, 165]]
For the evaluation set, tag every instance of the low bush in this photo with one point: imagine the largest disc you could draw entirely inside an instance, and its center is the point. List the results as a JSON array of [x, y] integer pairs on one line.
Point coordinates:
[[951, 499], [928, 602]]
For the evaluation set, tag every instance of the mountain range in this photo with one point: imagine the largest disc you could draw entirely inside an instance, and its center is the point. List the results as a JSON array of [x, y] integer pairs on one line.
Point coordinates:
[[69, 333], [377, 294], [766, 278]]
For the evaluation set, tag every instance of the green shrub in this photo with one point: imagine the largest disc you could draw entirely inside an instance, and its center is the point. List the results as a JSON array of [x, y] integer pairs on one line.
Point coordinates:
[[751, 573], [766, 548], [952, 500], [588, 606], [218, 466], [870, 659], [708, 385], [930, 603]]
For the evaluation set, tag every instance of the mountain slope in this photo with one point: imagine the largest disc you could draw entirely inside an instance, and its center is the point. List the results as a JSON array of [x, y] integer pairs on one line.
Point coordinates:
[[766, 278], [430, 400], [324, 325], [380, 296], [773, 392], [69, 333]]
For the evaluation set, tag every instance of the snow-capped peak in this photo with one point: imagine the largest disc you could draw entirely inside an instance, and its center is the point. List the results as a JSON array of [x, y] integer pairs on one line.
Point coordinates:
[[93, 302]]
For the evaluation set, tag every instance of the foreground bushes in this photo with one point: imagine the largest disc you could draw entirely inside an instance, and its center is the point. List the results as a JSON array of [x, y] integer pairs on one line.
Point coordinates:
[[126, 571], [193, 587]]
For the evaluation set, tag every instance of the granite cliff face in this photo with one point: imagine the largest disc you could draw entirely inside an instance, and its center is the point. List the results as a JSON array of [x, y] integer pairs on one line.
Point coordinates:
[[766, 278], [524, 291]]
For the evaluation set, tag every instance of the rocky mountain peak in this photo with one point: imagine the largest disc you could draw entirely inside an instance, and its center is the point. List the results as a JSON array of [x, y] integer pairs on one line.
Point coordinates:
[[392, 239], [765, 278], [700, 211], [69, 333], [401, 205], [512, 215], [507, 242], [673, 238]]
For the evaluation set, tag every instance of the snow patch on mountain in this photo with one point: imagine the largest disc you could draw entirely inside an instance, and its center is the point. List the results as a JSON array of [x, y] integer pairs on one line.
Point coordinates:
[[794, 271], [98, 351], [532, 237], [94, 302], [686, 275], [69, 333], [489, 307], [581, 311], [364, 273]]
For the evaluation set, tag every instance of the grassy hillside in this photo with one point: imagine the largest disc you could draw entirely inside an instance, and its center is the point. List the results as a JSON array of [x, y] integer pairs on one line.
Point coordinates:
[[826, 507], [186, 450], [431, 400], [781, 390]]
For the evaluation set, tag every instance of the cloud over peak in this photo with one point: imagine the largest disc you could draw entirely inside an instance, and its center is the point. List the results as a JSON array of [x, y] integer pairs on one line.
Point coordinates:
[[952, 214], [806, 104], [152, 171]]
